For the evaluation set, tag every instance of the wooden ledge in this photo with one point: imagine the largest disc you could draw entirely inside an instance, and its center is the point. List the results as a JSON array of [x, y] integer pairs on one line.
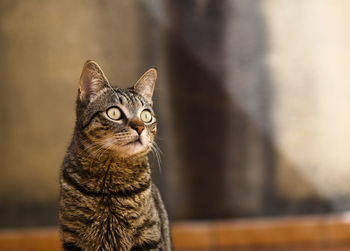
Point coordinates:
[[311, 233], [41, 239]]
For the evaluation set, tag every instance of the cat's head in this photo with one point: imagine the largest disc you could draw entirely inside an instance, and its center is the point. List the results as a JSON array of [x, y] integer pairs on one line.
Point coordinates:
[[113, 121]]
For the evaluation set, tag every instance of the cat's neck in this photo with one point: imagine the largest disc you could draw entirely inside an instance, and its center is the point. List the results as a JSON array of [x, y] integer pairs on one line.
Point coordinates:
[[108, 173], [93, 164]]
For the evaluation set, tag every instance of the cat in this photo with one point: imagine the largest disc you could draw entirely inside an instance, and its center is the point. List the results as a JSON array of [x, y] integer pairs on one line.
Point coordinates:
[[107, 198]]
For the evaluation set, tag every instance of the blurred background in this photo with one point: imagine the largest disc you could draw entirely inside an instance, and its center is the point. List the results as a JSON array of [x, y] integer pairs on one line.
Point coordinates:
[[253, 101]]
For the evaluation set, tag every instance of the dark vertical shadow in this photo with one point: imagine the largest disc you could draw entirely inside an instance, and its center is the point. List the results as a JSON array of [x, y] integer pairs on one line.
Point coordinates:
[[201, 106]]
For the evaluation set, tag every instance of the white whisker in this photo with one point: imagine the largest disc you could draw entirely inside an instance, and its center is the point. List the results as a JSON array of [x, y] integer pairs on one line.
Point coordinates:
[[157, 152]]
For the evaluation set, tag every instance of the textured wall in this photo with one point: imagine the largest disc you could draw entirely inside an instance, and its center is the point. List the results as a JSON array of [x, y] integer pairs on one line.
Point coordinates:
[[252, 97], [259, 99], [43, 47]]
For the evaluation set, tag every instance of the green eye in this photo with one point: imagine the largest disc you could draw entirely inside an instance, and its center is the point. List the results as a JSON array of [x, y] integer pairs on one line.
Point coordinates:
[[114, 113], [146, 116]]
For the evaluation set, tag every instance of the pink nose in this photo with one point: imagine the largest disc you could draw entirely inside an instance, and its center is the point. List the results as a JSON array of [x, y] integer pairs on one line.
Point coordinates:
[[137, 125], [139, 129]]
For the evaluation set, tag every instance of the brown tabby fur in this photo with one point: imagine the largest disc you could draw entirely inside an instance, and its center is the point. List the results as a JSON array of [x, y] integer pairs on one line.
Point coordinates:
[[107, 198]]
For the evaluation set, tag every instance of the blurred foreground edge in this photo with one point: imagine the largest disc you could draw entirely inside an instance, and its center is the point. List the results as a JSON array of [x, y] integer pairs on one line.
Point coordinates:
[[331, 232]]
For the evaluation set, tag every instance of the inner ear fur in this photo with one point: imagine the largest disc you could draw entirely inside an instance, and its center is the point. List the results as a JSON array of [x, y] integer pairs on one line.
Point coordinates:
[[145, 85], [92, 80]]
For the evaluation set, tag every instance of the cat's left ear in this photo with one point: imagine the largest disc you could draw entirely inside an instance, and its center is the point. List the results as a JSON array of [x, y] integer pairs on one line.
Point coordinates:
[[145, 85]]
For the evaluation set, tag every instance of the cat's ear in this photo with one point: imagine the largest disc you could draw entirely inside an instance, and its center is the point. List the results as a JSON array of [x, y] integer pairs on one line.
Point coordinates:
[[145, 85], [92, 80]]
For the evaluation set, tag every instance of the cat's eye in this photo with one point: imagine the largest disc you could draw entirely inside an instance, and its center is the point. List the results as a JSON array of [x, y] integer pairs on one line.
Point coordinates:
[[146, 116], [114, 113]]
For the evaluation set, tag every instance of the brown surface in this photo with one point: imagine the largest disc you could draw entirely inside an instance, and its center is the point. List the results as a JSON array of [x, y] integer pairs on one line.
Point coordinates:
[[286, 234], [30, 240]]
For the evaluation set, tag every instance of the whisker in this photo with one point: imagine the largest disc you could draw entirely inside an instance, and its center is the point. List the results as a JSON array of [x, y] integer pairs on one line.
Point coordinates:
[[156, 152], [158, 148]]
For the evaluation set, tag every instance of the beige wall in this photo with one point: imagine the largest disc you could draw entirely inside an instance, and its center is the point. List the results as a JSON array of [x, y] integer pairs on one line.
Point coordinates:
[[309, 64], [280, 73], [302, 51], [43, 47]]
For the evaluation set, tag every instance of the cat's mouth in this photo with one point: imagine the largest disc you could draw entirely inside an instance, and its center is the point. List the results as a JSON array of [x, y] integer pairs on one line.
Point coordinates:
[[135, 145], [136, 141]]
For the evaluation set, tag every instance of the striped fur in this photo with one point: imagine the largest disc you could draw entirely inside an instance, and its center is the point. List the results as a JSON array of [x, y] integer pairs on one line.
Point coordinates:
[[107, 198]]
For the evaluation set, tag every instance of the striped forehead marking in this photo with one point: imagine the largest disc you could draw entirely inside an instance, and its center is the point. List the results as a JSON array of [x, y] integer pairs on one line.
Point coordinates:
[[125, 97], [128, 97]]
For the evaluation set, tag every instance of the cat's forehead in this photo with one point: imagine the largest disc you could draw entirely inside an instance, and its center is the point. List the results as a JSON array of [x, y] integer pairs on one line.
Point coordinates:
[[126, 98]]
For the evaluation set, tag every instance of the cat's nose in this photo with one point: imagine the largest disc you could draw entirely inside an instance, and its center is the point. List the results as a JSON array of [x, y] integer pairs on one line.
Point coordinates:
[[138, 126], [139, 129]]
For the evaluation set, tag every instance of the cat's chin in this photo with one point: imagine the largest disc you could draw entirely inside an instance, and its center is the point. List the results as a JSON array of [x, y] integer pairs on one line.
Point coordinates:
[[132, 149]]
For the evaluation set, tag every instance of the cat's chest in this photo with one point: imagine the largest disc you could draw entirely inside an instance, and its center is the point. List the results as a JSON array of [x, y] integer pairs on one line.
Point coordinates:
[[119, 212], [114, 221]]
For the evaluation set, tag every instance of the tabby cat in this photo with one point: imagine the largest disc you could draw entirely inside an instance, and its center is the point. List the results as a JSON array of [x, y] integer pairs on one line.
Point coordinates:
[[107, 198]]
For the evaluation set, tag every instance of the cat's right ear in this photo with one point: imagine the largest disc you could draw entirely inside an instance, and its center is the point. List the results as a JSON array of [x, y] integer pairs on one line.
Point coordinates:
[[92, 80]]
